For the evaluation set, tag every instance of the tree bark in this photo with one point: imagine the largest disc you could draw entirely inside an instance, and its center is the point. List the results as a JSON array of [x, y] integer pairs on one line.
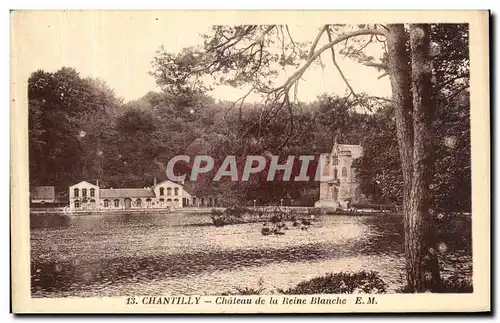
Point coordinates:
[[420, 228], [399, 73], [413, 110]]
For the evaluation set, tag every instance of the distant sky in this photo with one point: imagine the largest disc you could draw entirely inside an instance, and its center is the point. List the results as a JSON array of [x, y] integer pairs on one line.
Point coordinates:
[[118, 47]]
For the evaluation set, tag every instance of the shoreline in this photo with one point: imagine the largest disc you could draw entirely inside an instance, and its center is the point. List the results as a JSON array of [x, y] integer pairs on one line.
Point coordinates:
[[299, 210]]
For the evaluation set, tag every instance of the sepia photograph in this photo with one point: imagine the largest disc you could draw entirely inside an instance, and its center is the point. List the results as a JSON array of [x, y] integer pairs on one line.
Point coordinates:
[[215, 162]]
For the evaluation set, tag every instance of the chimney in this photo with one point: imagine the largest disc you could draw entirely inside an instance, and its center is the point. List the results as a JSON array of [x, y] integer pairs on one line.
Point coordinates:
[[97, 183], [154, 181]]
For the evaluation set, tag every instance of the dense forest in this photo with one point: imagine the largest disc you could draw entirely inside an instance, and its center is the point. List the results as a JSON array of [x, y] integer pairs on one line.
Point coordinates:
[[81, 130]]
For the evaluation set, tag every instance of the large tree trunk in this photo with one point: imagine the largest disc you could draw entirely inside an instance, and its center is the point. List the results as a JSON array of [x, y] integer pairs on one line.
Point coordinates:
[[420, 228], [413, 126]]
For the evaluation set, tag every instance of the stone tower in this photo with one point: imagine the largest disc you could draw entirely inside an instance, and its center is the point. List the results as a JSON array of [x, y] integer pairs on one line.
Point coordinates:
[[340, 188]]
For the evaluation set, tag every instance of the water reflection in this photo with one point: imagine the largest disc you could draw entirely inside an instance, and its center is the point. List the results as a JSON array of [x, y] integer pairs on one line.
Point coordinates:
[[182, 254]]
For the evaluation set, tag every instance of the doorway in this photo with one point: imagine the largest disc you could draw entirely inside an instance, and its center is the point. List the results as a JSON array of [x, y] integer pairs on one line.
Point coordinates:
[[128, 203]]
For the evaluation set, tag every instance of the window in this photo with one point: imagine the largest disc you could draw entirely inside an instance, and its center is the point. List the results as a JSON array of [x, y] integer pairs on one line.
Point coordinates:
[[169, 200], [76, 192], [169, 191], [335, 174], [92, 203], [77, 204], [92, 192], [106, 203], [176, 200], [162, 191], [161, 202], [344, 172], [335, 160], [116, 203], [148, 202], [138, 203], [176, 191], [84, 192]]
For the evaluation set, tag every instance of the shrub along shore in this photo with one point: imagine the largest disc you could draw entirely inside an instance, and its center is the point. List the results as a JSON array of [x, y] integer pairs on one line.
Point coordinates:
[[240, 215], [362, 282]]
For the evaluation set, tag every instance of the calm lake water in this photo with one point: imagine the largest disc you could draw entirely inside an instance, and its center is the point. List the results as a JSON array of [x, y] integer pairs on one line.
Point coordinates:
[[118, 255]]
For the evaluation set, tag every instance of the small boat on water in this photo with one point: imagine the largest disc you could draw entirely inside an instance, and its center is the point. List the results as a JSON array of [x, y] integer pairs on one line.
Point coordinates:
[[265, 230], [276, 230]]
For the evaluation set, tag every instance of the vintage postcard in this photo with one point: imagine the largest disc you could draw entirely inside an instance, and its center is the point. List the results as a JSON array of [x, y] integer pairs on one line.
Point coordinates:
[[250, 161]]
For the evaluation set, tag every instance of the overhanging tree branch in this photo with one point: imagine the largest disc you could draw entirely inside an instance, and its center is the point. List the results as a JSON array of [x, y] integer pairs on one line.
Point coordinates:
[[338, 67], [377, 65], [286, 86], [316, 40]]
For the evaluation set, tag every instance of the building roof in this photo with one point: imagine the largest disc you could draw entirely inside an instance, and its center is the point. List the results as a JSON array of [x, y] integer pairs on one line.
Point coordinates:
[[84, 182], [346, 146], [42, 193], [125, 192], [187, 194], [355, 150], [168, 182]]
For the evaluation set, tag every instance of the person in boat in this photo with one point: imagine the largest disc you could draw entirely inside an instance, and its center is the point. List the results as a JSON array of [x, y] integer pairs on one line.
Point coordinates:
[[305, 223], [282, 226], [265, 229], [278, 228]]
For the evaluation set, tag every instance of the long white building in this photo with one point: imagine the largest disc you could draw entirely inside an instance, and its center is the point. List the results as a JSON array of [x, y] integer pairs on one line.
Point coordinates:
[[166, 194]]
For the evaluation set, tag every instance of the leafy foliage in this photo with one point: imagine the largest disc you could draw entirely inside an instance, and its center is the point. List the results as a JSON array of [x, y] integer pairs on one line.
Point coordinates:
[[451, 285], [63, 109], [379, 169], [341, 283]]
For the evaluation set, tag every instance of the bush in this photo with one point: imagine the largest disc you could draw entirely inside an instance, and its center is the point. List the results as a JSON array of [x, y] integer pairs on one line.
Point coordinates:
[[243, 291], [275, 218], [238, 211], [216, 212], [247, 290], [341, 283], [315, 211], [456, 285], [451, 285]]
